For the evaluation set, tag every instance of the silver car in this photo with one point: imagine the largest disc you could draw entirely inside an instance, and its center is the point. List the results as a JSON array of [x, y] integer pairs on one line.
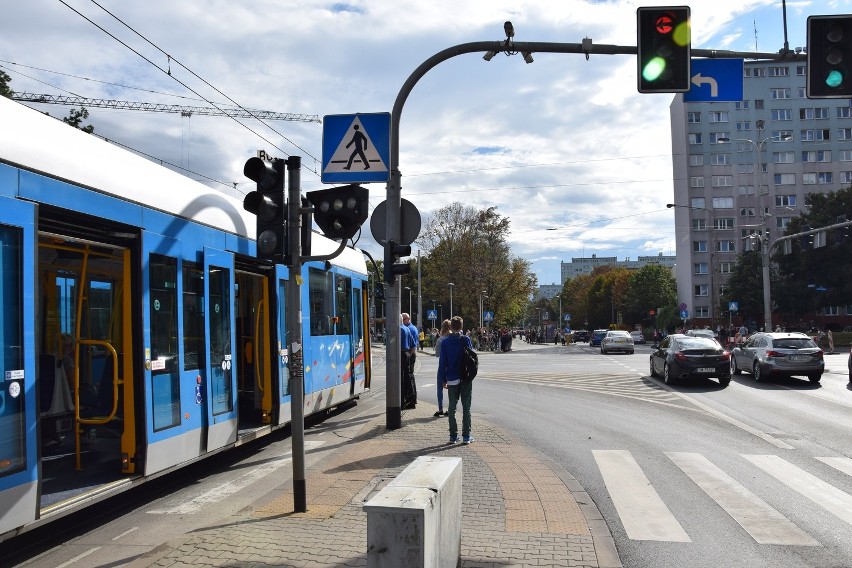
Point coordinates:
[[767, 355], [615, 340]]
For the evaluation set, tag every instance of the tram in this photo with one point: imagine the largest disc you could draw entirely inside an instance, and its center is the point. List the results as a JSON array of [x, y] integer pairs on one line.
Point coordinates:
[[139, 333]]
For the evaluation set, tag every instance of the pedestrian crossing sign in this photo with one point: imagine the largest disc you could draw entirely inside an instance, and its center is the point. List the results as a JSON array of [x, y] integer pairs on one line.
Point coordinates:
[[356, 148]]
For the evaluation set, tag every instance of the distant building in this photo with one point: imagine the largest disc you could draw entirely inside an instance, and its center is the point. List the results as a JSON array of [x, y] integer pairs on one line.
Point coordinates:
[[547, 291], [585, 265]]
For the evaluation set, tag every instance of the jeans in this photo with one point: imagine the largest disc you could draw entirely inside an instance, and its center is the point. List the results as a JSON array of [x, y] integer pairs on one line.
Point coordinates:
[[440, 395], [463, 390]]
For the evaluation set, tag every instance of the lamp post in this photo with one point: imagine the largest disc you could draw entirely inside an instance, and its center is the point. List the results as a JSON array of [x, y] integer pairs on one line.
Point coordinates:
[[481, 295], [409, 298], [451, 285], [559, 296]]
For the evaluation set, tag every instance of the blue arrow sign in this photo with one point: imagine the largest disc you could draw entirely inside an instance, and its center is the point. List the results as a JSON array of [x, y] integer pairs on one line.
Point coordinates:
[[715, 80], [356, 148]]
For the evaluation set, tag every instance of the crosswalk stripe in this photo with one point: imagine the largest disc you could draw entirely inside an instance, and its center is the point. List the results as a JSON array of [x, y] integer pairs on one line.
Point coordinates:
[[823, 494], [840, 464], [642, 512], [761, 521]]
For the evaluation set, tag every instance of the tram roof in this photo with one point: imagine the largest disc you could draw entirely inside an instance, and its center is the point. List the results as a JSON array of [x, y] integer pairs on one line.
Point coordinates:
[[34, 141]]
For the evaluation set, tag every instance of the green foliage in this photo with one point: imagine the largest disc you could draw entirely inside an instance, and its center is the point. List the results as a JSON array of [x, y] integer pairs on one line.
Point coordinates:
[[650, 288], [5, 91], [745, 286], [76, 117]]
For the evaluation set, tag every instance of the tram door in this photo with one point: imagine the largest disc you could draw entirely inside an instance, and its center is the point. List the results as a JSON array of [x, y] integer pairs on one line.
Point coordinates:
[[282, 356], [84, 361], [18, 397], [254, 349]]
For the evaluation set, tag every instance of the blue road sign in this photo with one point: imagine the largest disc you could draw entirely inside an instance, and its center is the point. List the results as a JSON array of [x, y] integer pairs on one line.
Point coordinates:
[[715, 80], [733, 307], [431, 314], [567, 317], [488, 316], [684, 314], [356, 148]]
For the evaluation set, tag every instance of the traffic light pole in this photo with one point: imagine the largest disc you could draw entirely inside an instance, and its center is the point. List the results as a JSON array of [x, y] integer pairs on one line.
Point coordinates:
[[394, 186], [293, 342]]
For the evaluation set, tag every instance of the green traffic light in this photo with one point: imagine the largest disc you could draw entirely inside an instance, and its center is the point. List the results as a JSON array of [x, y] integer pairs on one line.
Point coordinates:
[[653, 69], [834, 79]]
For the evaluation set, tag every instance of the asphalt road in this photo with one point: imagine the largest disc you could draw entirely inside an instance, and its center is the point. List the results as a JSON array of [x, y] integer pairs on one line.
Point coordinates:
[[755, 474]]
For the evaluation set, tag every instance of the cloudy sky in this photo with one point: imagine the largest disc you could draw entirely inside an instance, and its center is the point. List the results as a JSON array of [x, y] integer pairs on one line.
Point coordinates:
[[564, 147]]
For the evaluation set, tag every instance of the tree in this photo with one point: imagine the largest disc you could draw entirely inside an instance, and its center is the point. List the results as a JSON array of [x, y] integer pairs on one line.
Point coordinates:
[[5, 91], [75, 118], [650, 288], [469, 247], [745, 286]]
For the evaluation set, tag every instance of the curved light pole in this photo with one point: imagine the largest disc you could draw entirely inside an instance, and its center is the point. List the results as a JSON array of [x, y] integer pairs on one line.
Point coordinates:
[[451, 285], [409, 298], [559, 296], [481, 295]]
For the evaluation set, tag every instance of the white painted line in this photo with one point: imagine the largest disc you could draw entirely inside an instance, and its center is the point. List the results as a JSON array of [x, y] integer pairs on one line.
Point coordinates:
[[761, 521], [79, 557], [225, 490], [642, 512], [125, 533], [840, 464], [823, 494]]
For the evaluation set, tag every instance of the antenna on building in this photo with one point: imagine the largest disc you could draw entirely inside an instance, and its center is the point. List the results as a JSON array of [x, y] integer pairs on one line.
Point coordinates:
[[755, 36]]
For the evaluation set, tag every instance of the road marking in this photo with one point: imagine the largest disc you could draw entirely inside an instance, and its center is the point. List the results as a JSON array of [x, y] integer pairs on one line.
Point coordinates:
[[79, 557], [125, 533], [823, 494], [840, 464], [761, 521], [642, 512], [227, 489]]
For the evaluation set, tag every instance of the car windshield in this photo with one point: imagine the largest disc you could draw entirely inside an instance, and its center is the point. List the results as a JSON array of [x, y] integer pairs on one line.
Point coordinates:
[[697, 343], [600, 333], [618, 334], [793, 343]]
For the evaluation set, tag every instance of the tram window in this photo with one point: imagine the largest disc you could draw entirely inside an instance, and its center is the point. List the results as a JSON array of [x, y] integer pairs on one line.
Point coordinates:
[[322, 301], [343, 287], [13, 435], [193, 316], [220, 340], [100, 309], [164, 341], [282, 317]]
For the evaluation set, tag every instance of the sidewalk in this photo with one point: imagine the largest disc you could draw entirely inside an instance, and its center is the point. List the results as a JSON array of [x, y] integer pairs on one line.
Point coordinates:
[[519, 508]]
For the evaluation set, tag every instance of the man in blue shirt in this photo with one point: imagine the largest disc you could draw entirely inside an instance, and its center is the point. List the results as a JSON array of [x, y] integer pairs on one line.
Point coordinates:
[[408, 345], [449, 366]]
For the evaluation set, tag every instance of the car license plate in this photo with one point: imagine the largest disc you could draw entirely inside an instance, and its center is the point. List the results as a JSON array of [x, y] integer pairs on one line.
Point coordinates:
[[706, 369], [799, 357]]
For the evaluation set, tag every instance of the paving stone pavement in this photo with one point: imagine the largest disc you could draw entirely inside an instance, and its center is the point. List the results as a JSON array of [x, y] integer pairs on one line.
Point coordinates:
[[519, 508]]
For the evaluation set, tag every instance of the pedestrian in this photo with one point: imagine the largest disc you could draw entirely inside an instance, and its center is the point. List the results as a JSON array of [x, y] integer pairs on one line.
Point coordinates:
[[421, 339], [449, 367], [445, 331], [830, 342], [408, 347]]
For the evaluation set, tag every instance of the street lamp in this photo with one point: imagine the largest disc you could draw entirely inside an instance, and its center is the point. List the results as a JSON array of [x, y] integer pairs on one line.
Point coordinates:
[[409, 298], [481, 294], [559, 296], [451, 285]]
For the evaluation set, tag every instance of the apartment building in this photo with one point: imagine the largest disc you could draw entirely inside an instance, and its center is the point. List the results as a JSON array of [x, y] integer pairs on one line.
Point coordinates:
[[745, 167]]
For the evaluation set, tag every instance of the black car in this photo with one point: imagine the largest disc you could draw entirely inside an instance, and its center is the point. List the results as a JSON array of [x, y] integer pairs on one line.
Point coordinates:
[[680, 356], [580, 336]]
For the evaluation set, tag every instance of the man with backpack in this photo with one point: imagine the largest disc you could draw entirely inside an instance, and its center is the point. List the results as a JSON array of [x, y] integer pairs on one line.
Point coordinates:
[[453, 353]]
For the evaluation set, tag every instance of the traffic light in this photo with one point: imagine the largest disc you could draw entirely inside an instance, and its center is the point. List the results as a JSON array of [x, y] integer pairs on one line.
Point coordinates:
[[829, 39], [807, 241], [393, 252], [663, 49], [340, 211], [841, 234], [269, 204]]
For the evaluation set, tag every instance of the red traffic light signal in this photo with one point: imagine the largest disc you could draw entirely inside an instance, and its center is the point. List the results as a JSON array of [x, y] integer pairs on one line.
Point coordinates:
[[269, 204], [663, 49]]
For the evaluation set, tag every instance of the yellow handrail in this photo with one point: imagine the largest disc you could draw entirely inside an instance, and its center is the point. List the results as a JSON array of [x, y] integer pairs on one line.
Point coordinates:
[[115, 384]]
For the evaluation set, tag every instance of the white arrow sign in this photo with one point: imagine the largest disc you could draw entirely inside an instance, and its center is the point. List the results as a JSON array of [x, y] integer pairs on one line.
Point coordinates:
[[698, 80]]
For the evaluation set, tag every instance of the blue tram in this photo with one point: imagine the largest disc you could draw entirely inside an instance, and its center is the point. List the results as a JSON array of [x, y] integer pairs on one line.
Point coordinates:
[[138, 331]]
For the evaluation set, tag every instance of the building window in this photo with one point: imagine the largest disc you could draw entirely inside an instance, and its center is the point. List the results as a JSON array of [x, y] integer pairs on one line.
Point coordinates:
[[702, 290], [845, 177], [759, 72], [802, 93], [830, 310], [741, 105], [758, 103], [844, 112], [782, 135], [693, 117], [818, 113], [743, 125], [844, 133], [785, 201], [725, 267], [695, 138], [816, 156], [824, 178], [699, 246], [785, 179], [801, 70], [696, 181], [845, 155], [781, 114], [779, 93], [782, 222], [745, 168], [726, 246], [723, 224], [720, 159], [815, 134], [783, 157], [718, 116], [723, 203], [723, 181], [747, 212], [696, 159], [809, 179], [699, 268], [778, 71], [699, 225], [702, 311], [697, 203], [719, 137], [746, 190]]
